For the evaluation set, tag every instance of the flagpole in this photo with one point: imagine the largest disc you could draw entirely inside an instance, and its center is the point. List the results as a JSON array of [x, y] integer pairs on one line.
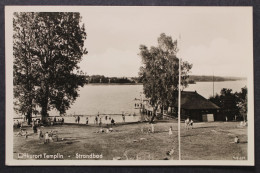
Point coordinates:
[[213, 85], [179, 105]]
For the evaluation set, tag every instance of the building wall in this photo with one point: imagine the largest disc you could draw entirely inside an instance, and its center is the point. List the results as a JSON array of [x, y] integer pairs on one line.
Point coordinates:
[[197, 114]]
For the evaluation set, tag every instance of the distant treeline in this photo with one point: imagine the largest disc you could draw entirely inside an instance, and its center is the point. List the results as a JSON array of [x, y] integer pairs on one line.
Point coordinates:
[[192, 79], [197, 78], [103, 79]]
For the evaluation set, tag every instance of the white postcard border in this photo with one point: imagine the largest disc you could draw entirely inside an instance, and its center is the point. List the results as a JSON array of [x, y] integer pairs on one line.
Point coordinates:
[[9, 102]]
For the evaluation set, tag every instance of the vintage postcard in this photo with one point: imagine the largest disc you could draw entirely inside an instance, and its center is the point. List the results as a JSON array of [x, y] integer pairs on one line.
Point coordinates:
[[129, 85]]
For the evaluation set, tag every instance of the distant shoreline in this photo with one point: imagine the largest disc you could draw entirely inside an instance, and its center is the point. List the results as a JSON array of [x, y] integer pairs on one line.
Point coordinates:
[[221, 81], [103, 80], [114, 84], [142, 83]]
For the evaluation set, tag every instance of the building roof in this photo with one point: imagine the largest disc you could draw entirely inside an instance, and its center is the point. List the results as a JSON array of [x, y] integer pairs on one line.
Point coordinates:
[[193, 100]]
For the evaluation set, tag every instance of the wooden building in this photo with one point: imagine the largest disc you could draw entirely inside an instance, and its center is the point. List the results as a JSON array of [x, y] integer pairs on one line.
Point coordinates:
[[193, 105], [196, 107]]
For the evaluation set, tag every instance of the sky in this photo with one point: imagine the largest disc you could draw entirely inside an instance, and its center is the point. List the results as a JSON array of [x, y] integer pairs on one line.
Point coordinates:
[[214, 39]]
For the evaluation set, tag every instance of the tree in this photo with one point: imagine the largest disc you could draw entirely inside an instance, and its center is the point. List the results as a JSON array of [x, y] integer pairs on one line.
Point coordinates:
[[242, 103], [160, 73], [24, 64], [227, 101], [232, 104], [58, 48]]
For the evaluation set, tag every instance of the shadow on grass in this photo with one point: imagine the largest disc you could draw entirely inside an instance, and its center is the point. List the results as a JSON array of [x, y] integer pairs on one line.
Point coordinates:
[[243, 142], [165, 131], [204, 127], [187, 135]]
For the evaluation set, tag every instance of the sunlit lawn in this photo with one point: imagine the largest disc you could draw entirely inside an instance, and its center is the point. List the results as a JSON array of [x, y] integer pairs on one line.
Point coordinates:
[[212, 141]]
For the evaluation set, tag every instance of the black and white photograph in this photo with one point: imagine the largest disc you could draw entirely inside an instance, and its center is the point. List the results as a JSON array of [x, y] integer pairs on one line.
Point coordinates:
[[129, 85]]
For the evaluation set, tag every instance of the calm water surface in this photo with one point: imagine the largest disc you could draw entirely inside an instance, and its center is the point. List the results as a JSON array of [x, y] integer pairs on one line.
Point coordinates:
[[118, 99]]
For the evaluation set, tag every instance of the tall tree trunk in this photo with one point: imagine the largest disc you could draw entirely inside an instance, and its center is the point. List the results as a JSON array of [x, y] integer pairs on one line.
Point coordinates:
[[154, 114], [29, 113], [44, 111], [29, 117]]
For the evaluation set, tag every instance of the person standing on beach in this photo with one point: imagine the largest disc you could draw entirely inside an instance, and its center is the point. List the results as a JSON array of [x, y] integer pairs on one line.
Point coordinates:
[[112, 122], [96, 120], [87, 120], [123, 117], [40, 134], [100, 121], [78, 119]]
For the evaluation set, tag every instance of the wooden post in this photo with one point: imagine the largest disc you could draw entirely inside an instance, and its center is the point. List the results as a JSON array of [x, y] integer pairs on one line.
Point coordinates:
[[179, 104]]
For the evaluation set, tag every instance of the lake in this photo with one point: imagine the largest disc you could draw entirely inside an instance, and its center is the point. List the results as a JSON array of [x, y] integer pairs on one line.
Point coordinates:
[[115, 99], [118, 99]]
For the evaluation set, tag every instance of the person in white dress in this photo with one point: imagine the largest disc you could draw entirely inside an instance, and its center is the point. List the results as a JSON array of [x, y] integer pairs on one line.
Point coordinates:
[[152, 128], [46, 137], [170, 130]]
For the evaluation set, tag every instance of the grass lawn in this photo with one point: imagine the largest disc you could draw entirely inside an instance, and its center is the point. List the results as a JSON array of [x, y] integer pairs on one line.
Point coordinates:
[[207, 141]]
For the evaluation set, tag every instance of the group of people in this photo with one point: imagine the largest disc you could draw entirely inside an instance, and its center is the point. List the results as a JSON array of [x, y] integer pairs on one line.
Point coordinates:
[[149, 130], [243, 123], [77, 119], [37, 122], [22, 132], [18, 124], [48, 136], [98, 120], [58, 121], [137, 105], [107, 130], [108, 120], [188, 123]]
